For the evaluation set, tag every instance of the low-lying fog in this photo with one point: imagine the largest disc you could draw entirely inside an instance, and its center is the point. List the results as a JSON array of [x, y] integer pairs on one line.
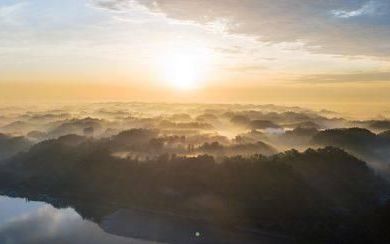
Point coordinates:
[[144, 131]]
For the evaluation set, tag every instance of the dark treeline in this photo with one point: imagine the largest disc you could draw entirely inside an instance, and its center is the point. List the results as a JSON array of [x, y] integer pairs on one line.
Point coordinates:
[[315, 196], [373, 148], [219, 163]]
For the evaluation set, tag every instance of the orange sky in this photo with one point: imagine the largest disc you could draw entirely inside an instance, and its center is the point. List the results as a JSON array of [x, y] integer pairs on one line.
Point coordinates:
[[313, 52]]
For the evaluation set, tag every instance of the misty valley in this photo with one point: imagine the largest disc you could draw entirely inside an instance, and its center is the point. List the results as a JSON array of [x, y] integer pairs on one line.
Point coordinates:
[[192, 173]]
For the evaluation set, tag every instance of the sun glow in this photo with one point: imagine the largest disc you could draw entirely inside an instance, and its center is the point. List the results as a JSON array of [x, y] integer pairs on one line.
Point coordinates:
[[185, 68]]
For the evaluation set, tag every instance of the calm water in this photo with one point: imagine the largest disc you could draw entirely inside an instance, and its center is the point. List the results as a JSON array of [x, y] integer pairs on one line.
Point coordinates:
[[29, 222], [37, 222]]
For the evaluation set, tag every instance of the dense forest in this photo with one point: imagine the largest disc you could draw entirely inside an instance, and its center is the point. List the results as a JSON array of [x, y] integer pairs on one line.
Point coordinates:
[[333, 188]]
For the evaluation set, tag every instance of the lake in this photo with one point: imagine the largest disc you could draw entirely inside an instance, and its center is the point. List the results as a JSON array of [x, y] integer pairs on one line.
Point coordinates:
[[23, 221]]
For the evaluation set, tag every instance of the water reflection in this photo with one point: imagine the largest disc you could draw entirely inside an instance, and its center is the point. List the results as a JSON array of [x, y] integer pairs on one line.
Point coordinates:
[[33, 222], [36, 222]]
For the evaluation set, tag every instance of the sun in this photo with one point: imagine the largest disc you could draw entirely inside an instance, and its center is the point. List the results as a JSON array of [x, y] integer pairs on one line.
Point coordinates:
[[184, 68], [181, 71]]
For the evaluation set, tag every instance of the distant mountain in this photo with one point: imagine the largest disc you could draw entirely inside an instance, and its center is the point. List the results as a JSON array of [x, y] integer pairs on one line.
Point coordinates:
[[37, 135], [346, 138], [300, 136], [252, 136], [10, 145], [361, 142], [217, 149], [304, 125], [384, 124], [76, 126], [262, 125], [17, 127], [378, 125]]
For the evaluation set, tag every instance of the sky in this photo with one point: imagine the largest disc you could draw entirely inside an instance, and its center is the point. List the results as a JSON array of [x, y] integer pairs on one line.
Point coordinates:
[[258, 51]]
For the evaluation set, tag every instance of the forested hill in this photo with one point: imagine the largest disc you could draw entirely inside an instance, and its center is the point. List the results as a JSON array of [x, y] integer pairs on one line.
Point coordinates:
[[316, 195]]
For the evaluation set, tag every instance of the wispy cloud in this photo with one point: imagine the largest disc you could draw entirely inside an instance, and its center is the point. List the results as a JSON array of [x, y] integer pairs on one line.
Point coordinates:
[[117, 5], [346, 78], [370, 8], [282, 21]]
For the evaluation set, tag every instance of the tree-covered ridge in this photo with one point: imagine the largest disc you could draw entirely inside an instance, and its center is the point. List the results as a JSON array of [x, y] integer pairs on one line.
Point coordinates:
[[314, 194]]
